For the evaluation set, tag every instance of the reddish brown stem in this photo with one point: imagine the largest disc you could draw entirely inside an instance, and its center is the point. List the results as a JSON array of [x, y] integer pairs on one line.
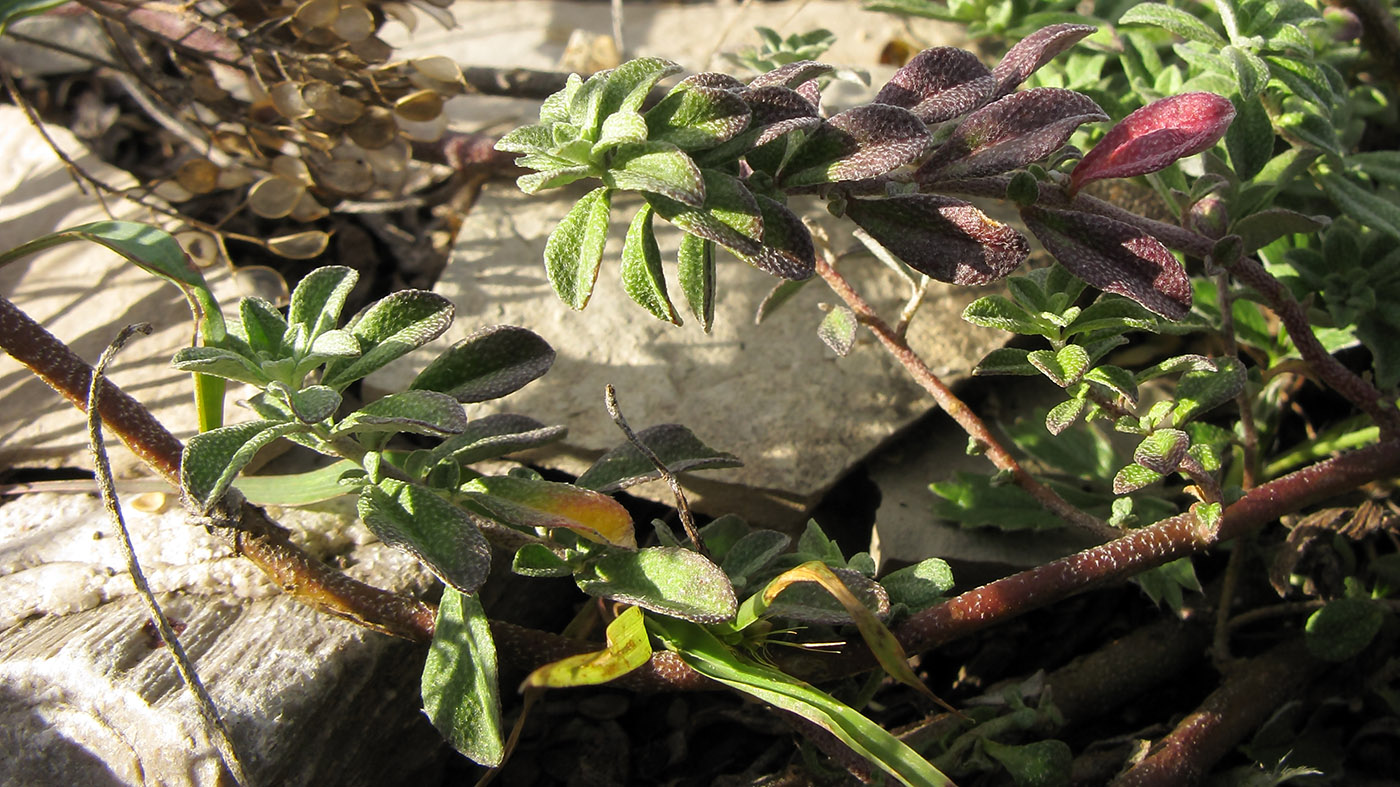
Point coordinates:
[[955, 407], [1253, 690], [248, 530]]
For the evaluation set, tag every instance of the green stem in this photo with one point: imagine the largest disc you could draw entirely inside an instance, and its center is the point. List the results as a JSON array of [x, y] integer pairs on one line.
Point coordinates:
[[1323, 447]]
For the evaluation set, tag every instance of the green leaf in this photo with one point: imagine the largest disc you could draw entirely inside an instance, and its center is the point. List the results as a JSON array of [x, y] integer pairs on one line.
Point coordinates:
[[1063, 415], [623, 128], [642, 277], [553, 178], [490, 363], [708, 656], [1081, 453], [1200, 391], [656, 168], [838, 330], [528, 503], [497, 435], [317, 301], [537, 138], [1038, 764], [1064, 367], [389, 328], [781, 293], [729, 217], [919, 586], [460, 686], [1165, 582], [628, 84], [414, 412], [1343, 628], [1007, 360], [1260, 229], [537, 560], [972, 501], [695, 271], [1250, 138], [753, 553], [415, 519], [212, 459], [676, 446], [628, 648], [574, 250], [219, 363], [1134, 477], [1172, 19], [310, 405], [1251, 71], [262, 326], [673, 581], [1367, 207], [694, 117], [328, 346], [1378, 165], [296, 489], [1162, 451], [997, 311], [1121, 381], [1112, 312]]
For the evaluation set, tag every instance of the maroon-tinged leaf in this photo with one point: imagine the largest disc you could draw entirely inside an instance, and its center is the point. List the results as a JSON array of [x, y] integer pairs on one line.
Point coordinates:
[[730, 215], [945, 238], [811, 91], [939, 84], [1114, 257], [1156, 135], [859, 143], [792, 74], [1010, 133], [775, 130], [775, 103], [692, 117], [787, 245], [712, 79], [1034, 51]]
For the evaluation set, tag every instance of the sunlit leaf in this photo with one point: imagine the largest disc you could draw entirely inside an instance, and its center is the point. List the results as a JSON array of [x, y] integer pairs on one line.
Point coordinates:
[[859, 143], [1034, 51], [1114, 257], [628, 648], [574, 251], [211, 460], [673, 581], [1155, 136], [939, 84], [947, 239], [489, 364], [838, 330], [414, 412], [389, 328], [642, 277], [676, 446], [658, 168], [497, 435], [415, 519], [1010, 133], [460, 686], [695, 271], [527, 503], [693, 117]]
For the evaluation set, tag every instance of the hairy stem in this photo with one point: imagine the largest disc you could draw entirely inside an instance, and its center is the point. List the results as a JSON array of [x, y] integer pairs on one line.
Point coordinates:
[[955, 407]]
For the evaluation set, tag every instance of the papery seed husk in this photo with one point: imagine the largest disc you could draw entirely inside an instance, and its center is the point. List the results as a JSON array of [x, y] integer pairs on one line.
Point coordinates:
[[374, 129], [355, 22], [274, 197], [419, 107], [198, 176]]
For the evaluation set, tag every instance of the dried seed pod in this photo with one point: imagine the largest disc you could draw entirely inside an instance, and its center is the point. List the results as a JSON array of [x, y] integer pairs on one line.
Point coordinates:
[[235, 176], [372, 50], [299, 245], [198, 176], [317, 13], [286, 98], [293, 169], [354, 23], [427, 131], [200, 246], [171, 191], [330, 104], [347, 176], [274, 197], [391, 158], [401, 13], [308, 209], [419, 107], [374, 129], [260, 281]]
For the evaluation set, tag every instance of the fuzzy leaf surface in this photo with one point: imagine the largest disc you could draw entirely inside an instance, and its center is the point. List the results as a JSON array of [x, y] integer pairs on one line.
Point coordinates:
[[415, 412], [527, 503], [1114, 257], [574, 251], [857, 144], [1010, 133], [787, 251], [642, 277], [676, 446], [1155, 136], [391, 327], [695, 272], [418, 521], [317, 301], [1174, 20], [729, 217], [657, 168], [838, 330], [692, 117], [1163, 450], [628, 648], [489, 364], [792, 74], [1034, 51], [939, 84], [219, 363], [673, 581], [945, 238], [497, 435], [460, 686], [211, 460]]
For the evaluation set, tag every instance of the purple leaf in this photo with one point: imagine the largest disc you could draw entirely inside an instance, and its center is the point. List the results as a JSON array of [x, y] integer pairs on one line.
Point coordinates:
[[1156, 135], [787, 245], [947, 239], [774, 103], [939, 84], [1114, 257], [712, 79], [859, 143], [1034, 51], [1009, 133], [791, 75], [811, 91]]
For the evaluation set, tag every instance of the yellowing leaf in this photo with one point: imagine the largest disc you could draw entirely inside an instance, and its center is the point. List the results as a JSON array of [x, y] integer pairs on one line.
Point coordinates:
[[628, 648], [523, 502]]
